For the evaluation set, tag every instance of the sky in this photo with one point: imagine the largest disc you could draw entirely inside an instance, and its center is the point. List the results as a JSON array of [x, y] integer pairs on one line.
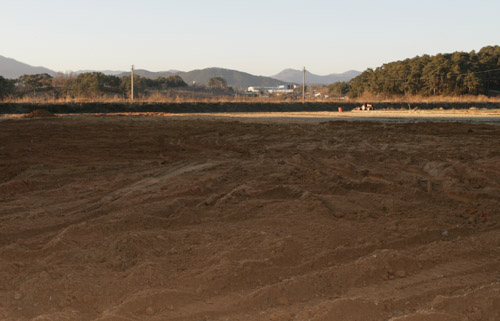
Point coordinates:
[[261, 37]]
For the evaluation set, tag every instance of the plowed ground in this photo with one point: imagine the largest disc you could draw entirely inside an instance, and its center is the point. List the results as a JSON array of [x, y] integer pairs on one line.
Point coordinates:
[[151, 218]]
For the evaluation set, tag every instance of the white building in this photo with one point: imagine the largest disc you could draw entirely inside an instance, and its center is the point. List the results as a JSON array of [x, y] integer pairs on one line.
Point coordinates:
[[283, 89]]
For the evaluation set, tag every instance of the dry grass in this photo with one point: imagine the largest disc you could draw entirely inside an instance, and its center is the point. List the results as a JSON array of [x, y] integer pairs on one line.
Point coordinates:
[[156, 99], [194, 97], [426, 99]]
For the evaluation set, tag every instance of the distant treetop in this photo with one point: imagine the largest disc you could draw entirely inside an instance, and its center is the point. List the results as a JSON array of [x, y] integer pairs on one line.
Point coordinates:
[[217, 82]]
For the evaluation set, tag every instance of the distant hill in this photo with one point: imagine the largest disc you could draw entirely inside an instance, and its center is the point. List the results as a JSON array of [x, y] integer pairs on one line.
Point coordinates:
[[11, 68], [147, 73], [106, 72], [234, 78], [295, 76]]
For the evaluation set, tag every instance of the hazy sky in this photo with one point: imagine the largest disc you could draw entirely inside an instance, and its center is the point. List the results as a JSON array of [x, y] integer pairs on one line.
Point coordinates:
[[260, 37]]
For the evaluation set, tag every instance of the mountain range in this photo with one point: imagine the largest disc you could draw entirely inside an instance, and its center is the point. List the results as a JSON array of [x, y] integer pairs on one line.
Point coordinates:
[[10, 68], [234, 78], [295, 76]]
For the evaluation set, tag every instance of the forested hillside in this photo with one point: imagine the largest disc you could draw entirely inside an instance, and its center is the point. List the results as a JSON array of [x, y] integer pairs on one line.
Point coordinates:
[[458, 73]]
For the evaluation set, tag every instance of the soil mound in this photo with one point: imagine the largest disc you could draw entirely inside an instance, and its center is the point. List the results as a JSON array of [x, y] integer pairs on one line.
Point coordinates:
[[39, 113]]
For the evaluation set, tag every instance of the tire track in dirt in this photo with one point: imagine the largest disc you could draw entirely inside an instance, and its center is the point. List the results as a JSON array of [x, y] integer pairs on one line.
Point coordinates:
[[98, 206]]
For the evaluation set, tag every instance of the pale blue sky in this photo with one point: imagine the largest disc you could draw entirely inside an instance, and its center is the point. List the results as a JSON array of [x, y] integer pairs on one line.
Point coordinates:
[[259, 37]]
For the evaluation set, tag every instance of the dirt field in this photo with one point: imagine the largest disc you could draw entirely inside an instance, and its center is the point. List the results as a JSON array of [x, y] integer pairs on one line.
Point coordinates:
[[157, 218]]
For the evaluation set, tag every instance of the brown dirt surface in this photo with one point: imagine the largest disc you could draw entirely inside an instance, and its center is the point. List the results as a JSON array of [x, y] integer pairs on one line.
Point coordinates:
[[153, 218], [39, 113]]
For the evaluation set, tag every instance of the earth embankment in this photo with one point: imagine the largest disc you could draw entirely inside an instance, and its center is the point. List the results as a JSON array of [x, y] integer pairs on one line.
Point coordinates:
[[223, 107]]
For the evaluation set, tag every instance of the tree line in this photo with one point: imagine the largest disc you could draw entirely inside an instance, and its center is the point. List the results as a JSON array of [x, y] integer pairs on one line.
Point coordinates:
[[90, 85], [452, 74]]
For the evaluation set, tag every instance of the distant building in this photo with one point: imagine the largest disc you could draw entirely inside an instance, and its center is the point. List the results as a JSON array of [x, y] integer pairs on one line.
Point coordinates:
[[283, 89]]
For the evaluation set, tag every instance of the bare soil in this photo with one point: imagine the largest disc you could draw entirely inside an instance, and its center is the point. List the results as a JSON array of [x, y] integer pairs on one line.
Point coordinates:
[[155, 218]]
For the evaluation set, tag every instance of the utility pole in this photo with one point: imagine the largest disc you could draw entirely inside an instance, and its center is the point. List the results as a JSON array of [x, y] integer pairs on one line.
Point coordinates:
[[132, 83], [304, 85]]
